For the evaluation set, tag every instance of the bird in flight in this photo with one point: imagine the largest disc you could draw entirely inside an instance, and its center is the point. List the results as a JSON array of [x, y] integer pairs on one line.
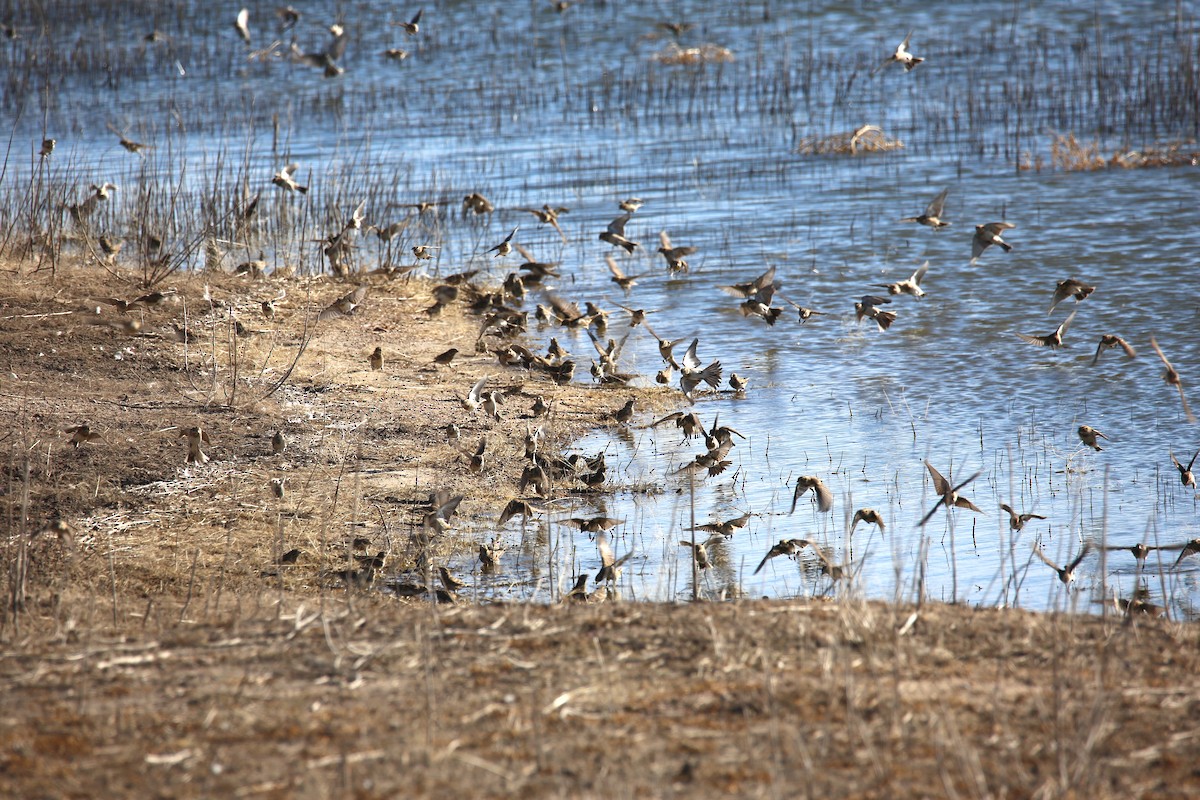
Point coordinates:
[[932, 215]]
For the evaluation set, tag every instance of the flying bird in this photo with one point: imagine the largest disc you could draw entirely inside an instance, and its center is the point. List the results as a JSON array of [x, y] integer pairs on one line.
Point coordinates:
[[505, 247], [869, 516], [675, 256], [1017, 521], [412, 27], [785, 547], [691, 375], [284, 180], [615, 234], [868, 306], [1171, 376], [345, 305], [987, 235], [1065, 574], [902, 56], [1109, 341], [1185, 473], [1088, 434], [949, 494], [933, 212], [820, 491], [910, 286], [242, 25], [1070, 288], [1051, 340]]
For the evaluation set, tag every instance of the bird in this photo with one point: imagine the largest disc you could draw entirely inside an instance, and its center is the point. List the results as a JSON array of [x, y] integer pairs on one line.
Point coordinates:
[[1070, 288], [785, 547], [949, 494], [902, 56], [869, 516], [1017, 521], [395, 53], [276, 486], [376, 359], [505, 247], [1185, 473], [195, 437], [987, 235], [624, 413], [1051, 340], [1088, 434], [474, 398], [1185, 549], [477, 204], [284, 180], [412, 27], [747, 290], [595, 524], [806, 313], [328, 58], [619, 277], [47, 147], [1139, 550], [278, 443], [1065, 574], [345, 305], [517, 507], [444, 359], [547, 215], [615, 233], [610, 565], [242, 25], [725, 527], [932, 215], [1171, 376], [700, 551], [820, 491], [290, 557], [835, 572], [449, 582], [691, 375], [910, 286], [675, 256], [421, 252], [442, 506], [578, 592], [1109, 341], [868, 306], [738, 383], [630, 204], [82, 434]]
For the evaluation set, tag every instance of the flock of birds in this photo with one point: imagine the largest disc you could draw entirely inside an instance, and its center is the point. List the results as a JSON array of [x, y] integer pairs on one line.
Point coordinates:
[[504, 321]]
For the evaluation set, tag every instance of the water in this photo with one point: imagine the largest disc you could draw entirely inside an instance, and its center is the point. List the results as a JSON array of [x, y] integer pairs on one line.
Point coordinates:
[[531, 106]]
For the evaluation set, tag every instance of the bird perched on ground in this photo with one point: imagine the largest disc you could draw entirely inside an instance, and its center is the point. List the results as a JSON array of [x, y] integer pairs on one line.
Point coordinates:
[[345, 305], [820, 491], [933, 212], [1051, 340], [738, 384], [412, 27], [376, 359], [195, 437], [578, 592], [1171, 376], [1017, 521], [1109, 341], [910, 286], [278, 443], [1088, 434], [82, 434], [505, 247], [675, 256], [949, 494], [868, 306], [1185, 473], [1065, 574], [276, 486], [902, 56], [625, 412], [987, 235], [615, 234], [869, 516], [449, 582], [284, 180], [785, 547], [1070, 288]]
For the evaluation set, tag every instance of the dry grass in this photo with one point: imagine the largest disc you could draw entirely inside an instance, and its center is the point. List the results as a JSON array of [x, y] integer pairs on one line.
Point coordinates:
[[865, 139], [674, 55], [1070, 155]]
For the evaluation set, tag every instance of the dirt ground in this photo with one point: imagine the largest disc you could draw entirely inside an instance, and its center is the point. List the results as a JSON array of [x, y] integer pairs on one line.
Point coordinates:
[[152, 645]]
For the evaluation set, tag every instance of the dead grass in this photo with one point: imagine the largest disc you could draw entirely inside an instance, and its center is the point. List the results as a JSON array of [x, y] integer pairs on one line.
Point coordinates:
[[864, 139], [1070, 155]]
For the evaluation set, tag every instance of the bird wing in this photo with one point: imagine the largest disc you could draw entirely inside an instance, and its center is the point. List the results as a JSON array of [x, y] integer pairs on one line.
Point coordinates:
[[1066, 323], [617, 226], [824, 496], [616, 271], [1037, 551], [919, 275], [766, 279], [1087, 546], [664, 239], [690, 359], [940, 484], [607, 557], [338, 47], [416, 18], [963, 502], [476, 392], [1033, 339], [979, 243], [934, 209]]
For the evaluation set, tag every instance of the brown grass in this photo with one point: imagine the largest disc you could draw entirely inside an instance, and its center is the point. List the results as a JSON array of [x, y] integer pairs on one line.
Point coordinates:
[[1070, 155], [864, 139]]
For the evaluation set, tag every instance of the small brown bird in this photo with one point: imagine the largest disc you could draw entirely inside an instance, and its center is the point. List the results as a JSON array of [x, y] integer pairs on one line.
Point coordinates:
[[1185, 473], [902, 56], [911, 285], [395, 54], [1139, 550], [578, 592], [1065, 574], [690, 373], [933, 212], [1070, 288], [284, 180], [988, 235], [675, 256], [449, 582], [1186, 549], [1171, 376], [595, 524], [195, 437], [835, 572], [785, 547], [610, 565], [615, 234], [738, 383], [290, 557], [47, 147], [534, 476], [624, 413], [345, 305], [475, 465], [949, 494], [868, 307], [619, 277], [869, 516], [700, 551], [278, 443], [268, 309], [517, 507], [477, 204], [820, 491], [423, 252], [488, 556], [376, 359], [1109, 341], [82, 434], [1088, 434], [505, 247], [412, 27], [1017, 521], [374, 562], [276, 487], [1051, 340], [808, 313], [444, 359], [442, 506], [726, 527]]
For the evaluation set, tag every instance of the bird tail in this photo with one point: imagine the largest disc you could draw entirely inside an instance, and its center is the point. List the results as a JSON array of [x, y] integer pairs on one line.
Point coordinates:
[[712, 374]]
